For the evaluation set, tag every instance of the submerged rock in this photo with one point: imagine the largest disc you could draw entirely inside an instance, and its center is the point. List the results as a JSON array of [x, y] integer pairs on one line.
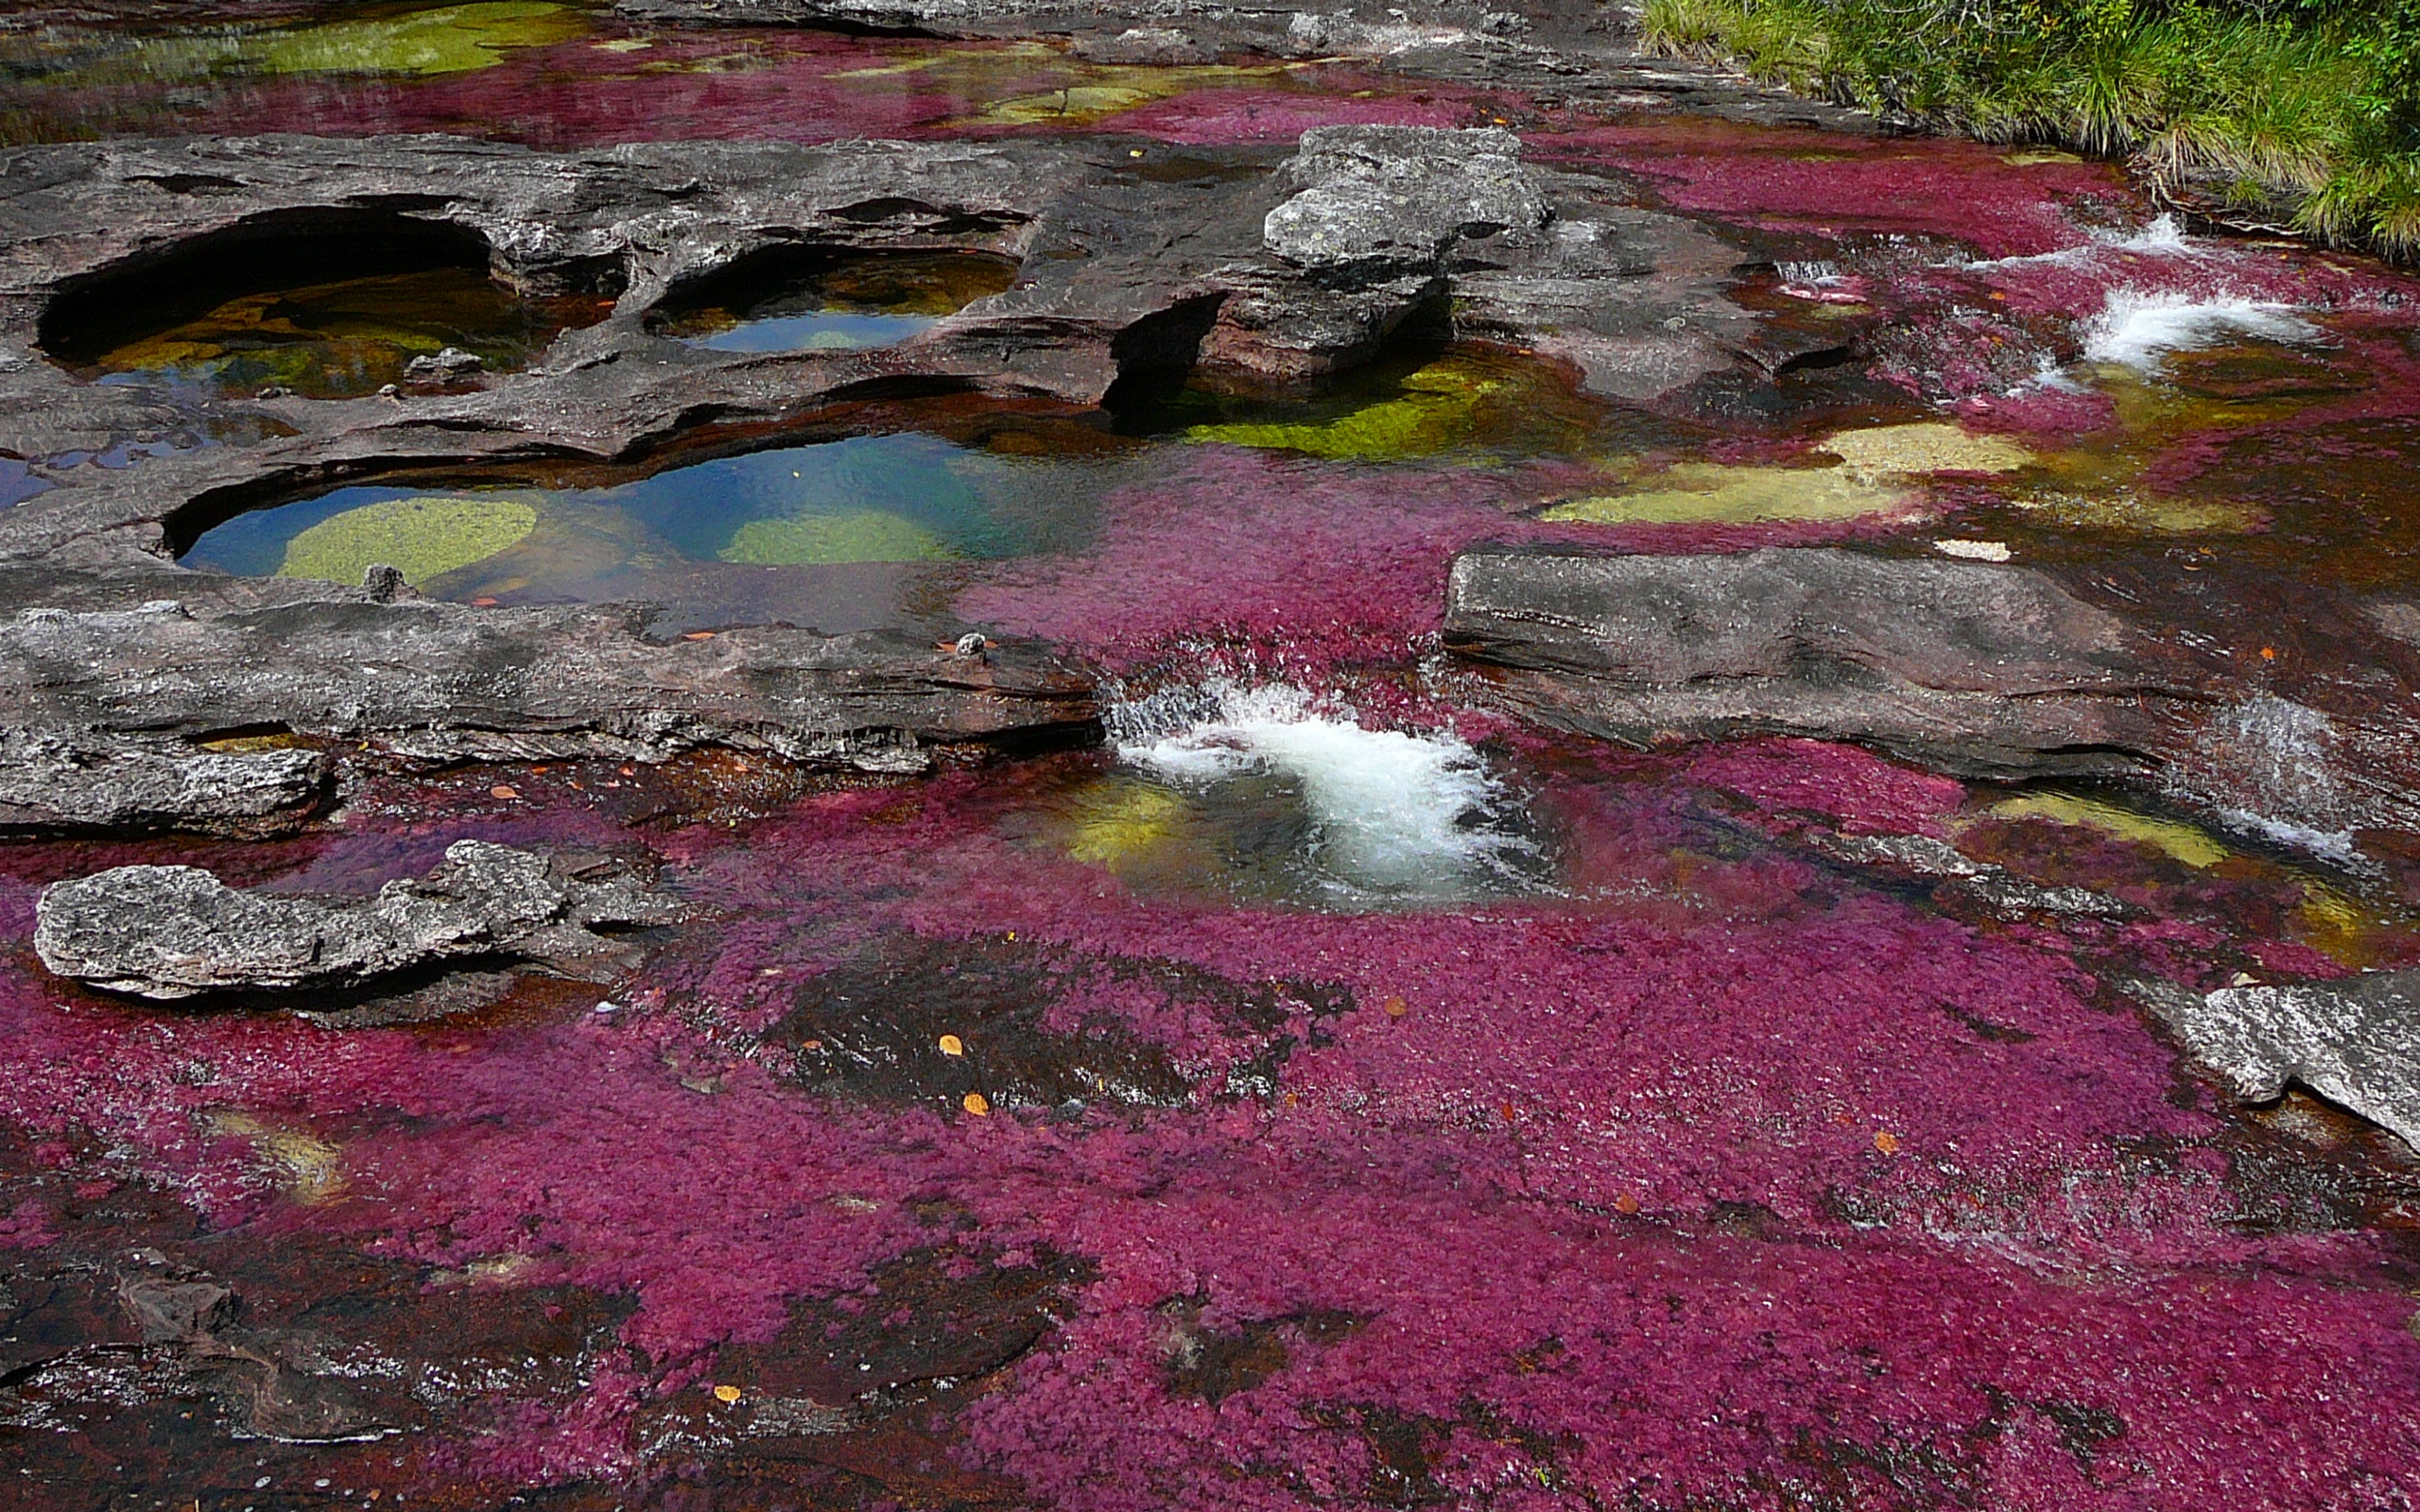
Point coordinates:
[[174, 931], [2355, 1042], [51, 784], [1973, 667]]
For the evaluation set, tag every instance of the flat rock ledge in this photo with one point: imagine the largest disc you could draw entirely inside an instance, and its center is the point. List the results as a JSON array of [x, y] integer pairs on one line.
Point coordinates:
[[178, 932], [2355, 1042], [1976, 669], [110, 706]]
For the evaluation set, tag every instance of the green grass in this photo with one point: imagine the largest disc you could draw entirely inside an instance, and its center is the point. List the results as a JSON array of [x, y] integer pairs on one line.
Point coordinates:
[[2298, 115]]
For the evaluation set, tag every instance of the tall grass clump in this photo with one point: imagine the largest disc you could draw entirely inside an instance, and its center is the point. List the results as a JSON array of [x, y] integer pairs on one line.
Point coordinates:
[[2295, 114]]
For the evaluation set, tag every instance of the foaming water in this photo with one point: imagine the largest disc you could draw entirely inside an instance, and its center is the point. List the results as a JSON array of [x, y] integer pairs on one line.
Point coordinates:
[[2138, 329], [2269, 768], [1394, 816]]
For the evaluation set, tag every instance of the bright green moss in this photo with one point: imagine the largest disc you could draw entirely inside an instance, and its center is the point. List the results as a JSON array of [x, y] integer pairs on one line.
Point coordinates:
[[424, 538], [1436, 412], [867, 535]]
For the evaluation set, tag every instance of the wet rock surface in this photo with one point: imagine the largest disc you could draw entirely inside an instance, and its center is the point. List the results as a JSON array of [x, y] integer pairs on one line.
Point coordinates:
[[1976, 668], [178, 932], [2355, 1042]]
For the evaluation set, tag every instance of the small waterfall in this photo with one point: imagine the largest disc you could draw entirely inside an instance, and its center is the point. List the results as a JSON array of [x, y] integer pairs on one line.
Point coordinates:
[[2137, 329], [1395, 816]]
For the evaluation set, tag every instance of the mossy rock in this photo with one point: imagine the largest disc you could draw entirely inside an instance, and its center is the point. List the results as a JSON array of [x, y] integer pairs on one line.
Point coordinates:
[[867, 535], [424, 538], [1707, 493]]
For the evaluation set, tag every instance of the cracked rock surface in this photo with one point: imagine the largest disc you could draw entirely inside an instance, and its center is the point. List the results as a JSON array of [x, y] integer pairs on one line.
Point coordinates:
[[176, 932]]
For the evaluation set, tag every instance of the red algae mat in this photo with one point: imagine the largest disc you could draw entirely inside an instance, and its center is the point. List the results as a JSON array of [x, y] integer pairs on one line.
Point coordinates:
[[1036, 1136]]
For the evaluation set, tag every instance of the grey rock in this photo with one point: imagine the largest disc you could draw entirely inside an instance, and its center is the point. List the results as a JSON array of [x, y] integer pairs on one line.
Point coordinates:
[[421, 681], [49, 784], [2355, 1042], [1980, 669], [176, 932], [444, 366], [1993, 889], [1377, 202]]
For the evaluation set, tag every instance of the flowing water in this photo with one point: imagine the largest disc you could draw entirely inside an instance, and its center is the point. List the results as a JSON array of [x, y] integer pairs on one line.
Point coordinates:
[[1320, 1094]]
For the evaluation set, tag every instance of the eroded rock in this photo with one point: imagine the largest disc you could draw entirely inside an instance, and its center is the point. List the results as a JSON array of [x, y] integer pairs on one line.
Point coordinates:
[[176, 932], [2355, 1042], [48, 784], [1976, 668]]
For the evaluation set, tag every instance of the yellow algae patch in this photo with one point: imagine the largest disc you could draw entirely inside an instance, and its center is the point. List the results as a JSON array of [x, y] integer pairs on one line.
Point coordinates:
[[1710, 494], [1911, 451], [309, 1168], [421, 538], [2036, 156], [2337, 926], [2129, 511], [952, 57], [448, 40], [492, 1270], [1106, 91], [867, 535], [1117, 822], [2181, 841]]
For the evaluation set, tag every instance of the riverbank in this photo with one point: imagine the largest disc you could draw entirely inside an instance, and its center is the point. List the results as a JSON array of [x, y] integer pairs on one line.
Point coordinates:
[[2280, 117]]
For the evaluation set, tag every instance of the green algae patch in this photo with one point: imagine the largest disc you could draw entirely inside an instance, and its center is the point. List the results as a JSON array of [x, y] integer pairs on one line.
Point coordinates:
[[1710, 494], [1915, 451], [352, 336], [820, 540], [449, 40], [2181, 842], [1436, 413], [421, 538]]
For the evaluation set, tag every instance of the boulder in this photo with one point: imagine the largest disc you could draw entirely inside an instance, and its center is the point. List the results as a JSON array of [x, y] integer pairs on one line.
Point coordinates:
[[176, 931], [1377, 202], [1976, 668]]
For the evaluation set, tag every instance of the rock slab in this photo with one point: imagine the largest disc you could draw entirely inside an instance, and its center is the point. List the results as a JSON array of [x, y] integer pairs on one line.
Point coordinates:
[[2355, 1042], [1978, 669], [176, 931]]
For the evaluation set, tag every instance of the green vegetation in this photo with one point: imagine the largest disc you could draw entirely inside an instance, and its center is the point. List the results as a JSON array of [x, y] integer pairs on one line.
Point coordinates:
[[423, 538], [2300, 115], [868, 535], [1436, 412]]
